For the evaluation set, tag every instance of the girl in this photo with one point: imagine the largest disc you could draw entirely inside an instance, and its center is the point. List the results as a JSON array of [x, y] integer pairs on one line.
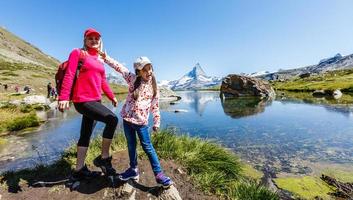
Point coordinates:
[[86, 96], [142, 98]]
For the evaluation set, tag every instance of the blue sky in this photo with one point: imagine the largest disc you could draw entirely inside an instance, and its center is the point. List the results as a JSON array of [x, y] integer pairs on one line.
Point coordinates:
[[224, 36]]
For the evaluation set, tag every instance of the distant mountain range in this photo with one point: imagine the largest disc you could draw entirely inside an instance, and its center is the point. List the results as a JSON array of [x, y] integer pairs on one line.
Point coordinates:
[[195, 79], [116, 78], [337, 62]]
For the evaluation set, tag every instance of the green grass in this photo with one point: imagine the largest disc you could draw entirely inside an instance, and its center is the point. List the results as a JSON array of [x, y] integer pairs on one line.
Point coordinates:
[[15, 118], [20, 123], [118, 89], [306, 187], [9, 73], [212, 168], [215, 169], [342, 79], [249, 171], [341, 175]]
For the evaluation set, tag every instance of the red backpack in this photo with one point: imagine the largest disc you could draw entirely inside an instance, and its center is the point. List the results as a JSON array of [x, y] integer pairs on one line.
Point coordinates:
[[60, 74]]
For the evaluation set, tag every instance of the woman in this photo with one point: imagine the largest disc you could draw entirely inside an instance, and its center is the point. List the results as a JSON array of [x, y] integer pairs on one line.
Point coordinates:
[[86, 97]]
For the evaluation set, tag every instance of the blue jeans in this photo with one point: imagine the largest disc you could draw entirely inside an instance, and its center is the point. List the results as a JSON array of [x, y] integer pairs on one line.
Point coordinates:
[[130, 130]]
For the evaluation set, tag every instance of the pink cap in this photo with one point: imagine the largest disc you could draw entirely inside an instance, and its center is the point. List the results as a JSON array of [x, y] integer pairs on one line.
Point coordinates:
[[91, 31]]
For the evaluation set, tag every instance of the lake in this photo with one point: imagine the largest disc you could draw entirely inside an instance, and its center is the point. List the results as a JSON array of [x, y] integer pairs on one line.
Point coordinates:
[[286, 135]]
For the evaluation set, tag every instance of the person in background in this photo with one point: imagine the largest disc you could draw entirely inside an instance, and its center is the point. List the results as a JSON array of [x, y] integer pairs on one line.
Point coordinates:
[[49, 89]]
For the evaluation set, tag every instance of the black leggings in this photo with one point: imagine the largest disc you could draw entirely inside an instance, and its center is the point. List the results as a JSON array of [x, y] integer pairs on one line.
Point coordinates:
[[91, 111]]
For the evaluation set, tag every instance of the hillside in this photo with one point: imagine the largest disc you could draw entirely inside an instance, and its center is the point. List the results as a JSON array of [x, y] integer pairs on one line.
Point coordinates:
[[337, 62], [339, 79], [22, 64]]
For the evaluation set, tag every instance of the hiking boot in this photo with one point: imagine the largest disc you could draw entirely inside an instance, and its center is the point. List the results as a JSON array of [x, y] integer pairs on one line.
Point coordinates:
[[84, 173], [131, 173], [163, 180], [105, 164]]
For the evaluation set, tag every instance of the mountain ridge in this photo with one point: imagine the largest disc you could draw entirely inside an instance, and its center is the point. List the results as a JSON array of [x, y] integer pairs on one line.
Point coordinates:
[[22, 63], [194, 79]]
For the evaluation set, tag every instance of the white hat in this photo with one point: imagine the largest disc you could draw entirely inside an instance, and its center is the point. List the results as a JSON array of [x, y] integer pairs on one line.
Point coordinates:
[[140, 62]]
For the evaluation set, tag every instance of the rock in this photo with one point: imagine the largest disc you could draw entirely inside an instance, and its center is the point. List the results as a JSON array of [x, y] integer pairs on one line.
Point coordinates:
[[304, 75], [16, 102], [319, 93], [36, 99], [180, 171], [53, 105], [333, 93], [169, 194], [337, 94], [127, 188], [167, 94], [242, 86], [343, 190], [180, 110]]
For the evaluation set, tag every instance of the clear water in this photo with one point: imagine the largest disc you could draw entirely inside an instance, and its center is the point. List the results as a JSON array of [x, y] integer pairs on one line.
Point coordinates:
[[283, 134]]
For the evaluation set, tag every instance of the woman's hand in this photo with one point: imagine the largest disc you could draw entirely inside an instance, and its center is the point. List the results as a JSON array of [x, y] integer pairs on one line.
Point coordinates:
[[115, 102], [63, 105]]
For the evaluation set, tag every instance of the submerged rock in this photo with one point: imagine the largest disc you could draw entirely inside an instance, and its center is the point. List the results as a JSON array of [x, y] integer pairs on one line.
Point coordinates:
[[242, 86]]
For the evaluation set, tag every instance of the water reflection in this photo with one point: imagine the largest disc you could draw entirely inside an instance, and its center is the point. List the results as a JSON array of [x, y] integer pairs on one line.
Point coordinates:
[[242, 107], [198, 100]]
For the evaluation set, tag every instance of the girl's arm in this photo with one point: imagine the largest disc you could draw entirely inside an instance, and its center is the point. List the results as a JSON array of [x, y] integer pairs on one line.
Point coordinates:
[[155, 111], [127, 75]]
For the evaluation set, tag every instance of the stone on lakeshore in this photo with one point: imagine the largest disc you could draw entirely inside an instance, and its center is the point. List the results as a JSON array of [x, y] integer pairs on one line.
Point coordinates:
[[243, 86], [167, 94], [168, 194], [16, 102], [337, 94], [36, 99], [53, 105]]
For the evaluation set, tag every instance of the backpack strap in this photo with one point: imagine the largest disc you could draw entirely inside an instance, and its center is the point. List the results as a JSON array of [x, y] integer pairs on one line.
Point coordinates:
[[81, 59]]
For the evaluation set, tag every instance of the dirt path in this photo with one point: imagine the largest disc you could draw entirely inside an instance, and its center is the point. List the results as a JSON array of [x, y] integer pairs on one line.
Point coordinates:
[[100, 188]]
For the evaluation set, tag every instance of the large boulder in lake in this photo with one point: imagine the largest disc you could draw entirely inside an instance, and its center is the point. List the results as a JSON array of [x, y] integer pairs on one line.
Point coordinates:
[[243, 86]]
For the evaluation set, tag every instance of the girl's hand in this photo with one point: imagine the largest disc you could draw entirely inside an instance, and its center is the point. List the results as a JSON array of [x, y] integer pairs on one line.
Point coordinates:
[[102, 54], [115, 102], [155, 129], [63, 105]]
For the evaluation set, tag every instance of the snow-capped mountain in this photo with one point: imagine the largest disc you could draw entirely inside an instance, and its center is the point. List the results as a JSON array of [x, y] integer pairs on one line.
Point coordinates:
[[195, 79], [254, 74], [116, 78]]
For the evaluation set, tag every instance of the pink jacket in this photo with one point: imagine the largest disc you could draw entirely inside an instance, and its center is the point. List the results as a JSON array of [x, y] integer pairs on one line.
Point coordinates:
[[90, 82], [137, 111]]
